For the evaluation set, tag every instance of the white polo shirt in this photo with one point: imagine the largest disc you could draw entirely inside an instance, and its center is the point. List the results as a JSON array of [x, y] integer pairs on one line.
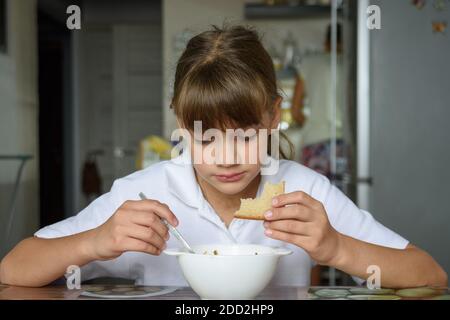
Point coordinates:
[[175, 184]]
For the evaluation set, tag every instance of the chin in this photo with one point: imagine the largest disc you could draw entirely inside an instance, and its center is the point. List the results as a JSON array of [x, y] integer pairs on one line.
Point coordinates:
[[231, 189]]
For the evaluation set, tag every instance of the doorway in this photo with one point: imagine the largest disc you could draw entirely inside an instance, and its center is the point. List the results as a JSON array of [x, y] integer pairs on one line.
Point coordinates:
[[53, 57]]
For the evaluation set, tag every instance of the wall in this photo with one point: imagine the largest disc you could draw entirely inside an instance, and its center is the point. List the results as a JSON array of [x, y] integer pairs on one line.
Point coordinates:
[[197, 16], [18, 121], [410, 128], [95, 87]]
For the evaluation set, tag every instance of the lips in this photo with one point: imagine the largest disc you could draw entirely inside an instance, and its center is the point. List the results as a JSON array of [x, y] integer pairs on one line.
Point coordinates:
[[233, 177]]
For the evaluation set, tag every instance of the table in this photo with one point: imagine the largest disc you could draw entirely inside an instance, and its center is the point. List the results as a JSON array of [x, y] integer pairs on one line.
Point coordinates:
[[61, 292], [185, 293]]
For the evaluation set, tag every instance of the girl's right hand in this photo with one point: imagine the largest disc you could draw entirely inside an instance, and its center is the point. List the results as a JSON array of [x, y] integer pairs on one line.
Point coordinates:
[[135, 226]]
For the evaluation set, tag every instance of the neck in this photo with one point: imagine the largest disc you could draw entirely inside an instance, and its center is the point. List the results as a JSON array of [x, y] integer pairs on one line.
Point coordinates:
[[224, 204]]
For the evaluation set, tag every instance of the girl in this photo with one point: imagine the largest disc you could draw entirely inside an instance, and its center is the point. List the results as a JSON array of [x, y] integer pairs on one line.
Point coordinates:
[[225, 79]]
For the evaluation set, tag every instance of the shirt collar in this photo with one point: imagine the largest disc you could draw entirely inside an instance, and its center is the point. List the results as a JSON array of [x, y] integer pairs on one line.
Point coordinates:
[[181, 181]]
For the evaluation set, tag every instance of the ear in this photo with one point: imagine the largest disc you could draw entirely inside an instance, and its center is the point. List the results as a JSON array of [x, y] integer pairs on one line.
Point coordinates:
[[276, 113]]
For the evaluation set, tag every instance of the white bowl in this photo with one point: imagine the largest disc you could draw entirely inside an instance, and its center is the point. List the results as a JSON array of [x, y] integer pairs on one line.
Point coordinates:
[[236, 272]]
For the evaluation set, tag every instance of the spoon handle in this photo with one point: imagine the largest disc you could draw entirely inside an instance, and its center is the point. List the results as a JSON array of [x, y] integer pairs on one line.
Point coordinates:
[[172, 229]]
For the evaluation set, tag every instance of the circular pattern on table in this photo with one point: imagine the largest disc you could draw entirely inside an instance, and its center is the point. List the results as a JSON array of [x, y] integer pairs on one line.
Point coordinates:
[[417, 293], [104, 292], [444, 297], [122, 289], [367, 291], [151, 289], [363, 293], [373, 297], [135, 293], [94, 289], [126, 292], [332, 293], [129, 286]]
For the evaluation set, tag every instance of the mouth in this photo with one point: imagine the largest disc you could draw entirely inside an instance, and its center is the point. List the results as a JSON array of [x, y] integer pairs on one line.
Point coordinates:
[[233, 177]]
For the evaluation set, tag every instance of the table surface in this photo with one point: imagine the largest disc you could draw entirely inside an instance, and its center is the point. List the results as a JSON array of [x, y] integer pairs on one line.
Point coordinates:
[[279, 293]]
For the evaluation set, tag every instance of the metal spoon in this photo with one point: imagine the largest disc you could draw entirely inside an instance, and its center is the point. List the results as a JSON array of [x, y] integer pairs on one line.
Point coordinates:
[[172, 229]]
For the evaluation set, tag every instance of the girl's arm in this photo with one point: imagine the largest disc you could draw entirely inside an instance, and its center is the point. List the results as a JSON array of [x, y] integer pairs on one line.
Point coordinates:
[[299, 219], [410, 267], [135, 226], [35, 262]]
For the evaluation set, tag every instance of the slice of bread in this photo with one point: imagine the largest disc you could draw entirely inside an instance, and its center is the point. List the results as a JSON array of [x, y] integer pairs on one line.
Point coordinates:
[[254, 209]]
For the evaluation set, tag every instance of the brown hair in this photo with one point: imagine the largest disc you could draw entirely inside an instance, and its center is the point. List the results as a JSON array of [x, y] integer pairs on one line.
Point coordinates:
[[225, 78]]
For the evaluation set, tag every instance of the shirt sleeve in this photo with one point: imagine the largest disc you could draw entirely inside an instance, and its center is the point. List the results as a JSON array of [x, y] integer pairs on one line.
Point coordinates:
[[349, 220], [91, 217]]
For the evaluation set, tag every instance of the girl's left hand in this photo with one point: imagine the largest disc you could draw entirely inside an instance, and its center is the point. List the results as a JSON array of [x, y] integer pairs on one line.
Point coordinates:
[[299, 219]]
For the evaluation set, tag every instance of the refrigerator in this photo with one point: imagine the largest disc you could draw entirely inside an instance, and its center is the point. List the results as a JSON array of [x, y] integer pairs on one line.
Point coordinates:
[[402, 147]]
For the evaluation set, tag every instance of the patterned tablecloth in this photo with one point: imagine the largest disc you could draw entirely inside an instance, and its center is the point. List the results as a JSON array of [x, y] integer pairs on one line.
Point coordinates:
[[173, 293]]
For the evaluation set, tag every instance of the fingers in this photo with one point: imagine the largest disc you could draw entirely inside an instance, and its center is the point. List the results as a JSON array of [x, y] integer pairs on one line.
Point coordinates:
[[162, 210], [147, 235], [297, 240], [288, 226], [152, 220], [298, 197], [161, 229], [132, 244], [297, 212]]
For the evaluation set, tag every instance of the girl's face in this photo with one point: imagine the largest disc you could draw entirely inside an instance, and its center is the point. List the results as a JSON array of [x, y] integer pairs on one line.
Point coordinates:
[[234, 164], [228, 176]]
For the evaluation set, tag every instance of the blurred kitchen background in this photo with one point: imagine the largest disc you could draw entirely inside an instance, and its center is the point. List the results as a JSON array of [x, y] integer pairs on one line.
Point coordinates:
[[368, 108]]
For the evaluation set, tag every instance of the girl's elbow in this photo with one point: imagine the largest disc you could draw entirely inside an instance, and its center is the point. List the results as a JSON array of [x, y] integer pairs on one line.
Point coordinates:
[[431, 274], [8, 272], [9, 275], [440, 275], [5, 271], [437, 277], [11, 267], [442, 280]]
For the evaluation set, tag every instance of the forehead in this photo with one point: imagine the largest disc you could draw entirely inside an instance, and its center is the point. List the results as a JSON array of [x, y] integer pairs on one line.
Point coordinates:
[[224, 130], [227, 124]]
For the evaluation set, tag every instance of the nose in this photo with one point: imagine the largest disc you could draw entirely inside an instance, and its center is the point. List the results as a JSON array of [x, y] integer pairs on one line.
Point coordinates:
[[227, 165]]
